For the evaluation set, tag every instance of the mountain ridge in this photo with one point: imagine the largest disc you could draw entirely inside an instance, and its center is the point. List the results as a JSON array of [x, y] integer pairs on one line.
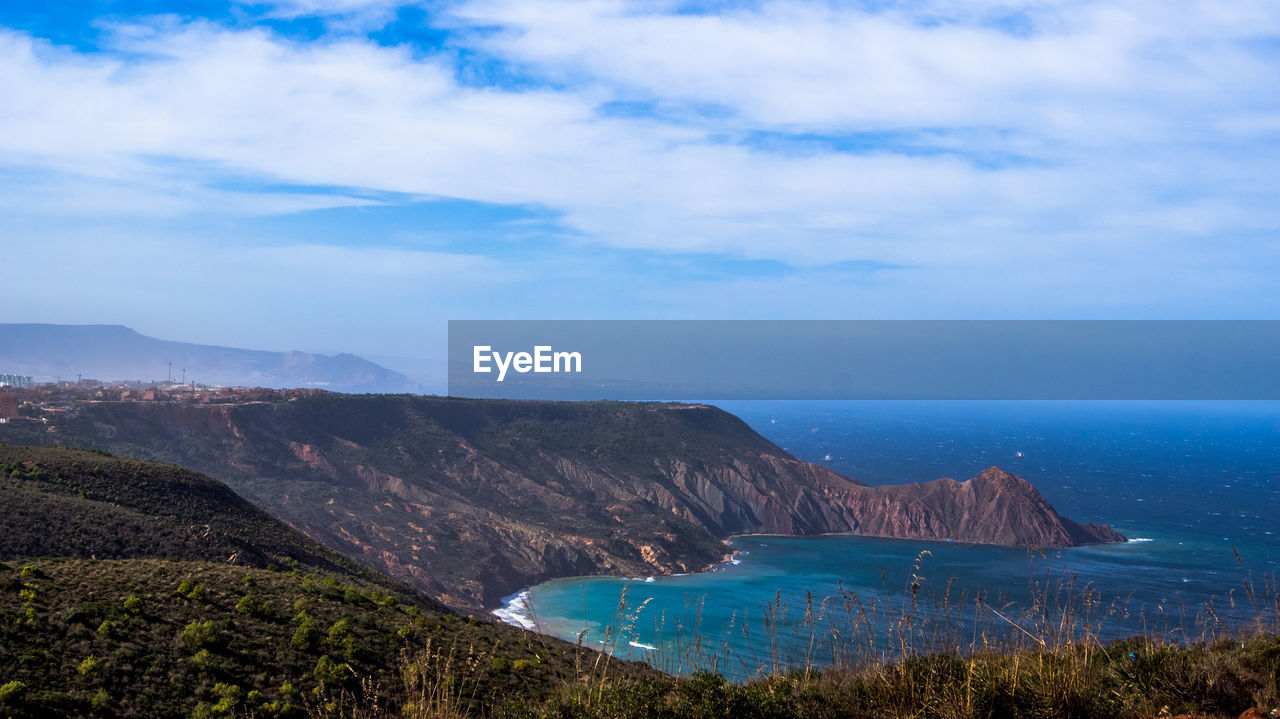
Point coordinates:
[[471, 500], [117, 352]]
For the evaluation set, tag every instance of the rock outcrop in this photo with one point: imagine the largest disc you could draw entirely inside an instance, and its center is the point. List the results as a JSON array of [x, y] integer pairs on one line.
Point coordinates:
[[993, 508], [471, 500]]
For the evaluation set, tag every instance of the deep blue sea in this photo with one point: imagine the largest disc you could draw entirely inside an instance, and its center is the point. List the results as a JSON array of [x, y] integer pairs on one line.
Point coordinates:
[[1195, 485]]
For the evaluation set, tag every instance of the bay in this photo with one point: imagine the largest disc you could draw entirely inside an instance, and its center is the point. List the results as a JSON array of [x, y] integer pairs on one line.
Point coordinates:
[[1195, 486]]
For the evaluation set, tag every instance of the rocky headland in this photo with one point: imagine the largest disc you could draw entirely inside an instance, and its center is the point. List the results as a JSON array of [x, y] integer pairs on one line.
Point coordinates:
[[471, 500]]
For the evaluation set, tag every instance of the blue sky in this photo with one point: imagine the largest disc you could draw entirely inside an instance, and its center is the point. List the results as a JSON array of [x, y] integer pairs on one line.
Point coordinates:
[[348, 175]]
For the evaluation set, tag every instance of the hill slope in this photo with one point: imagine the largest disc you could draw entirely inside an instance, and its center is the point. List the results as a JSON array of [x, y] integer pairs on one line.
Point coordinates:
[[114, 352], [62, 502], [242, 612], [471, 500]]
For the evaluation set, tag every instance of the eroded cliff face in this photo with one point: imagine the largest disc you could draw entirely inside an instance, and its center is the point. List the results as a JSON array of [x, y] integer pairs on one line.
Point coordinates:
[[471, 500], [993, 508]]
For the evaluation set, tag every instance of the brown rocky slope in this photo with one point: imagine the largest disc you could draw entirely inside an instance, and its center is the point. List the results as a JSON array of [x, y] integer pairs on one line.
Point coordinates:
[[473, 499]]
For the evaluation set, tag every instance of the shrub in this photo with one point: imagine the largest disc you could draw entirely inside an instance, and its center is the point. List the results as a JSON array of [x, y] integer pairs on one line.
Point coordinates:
[[202, 659], [11, 692], [90, 665], [306, 637], [248, 604], [330, 671], [133, 604], [199, 634], [228, 696], [192, 590], [341, 639]]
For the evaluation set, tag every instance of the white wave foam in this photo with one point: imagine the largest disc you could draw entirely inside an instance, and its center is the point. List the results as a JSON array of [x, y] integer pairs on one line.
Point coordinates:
[[1141, 539], [646, 647], [515, 611]]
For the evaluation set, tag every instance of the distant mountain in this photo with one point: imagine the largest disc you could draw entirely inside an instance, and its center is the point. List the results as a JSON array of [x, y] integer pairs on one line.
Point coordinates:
[[115, 352], [471, 500]]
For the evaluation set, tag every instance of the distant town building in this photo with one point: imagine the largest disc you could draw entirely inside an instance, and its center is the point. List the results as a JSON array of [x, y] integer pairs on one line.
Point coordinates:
[[15, 380]]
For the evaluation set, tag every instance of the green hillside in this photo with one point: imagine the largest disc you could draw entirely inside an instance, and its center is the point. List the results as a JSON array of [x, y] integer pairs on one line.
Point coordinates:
[[88, 504], [137, 589]]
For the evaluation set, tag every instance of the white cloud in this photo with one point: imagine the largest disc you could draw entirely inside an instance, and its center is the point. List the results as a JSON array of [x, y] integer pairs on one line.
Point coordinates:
[[299, 8], [1114, 67], [1118, 130], [351, 16]]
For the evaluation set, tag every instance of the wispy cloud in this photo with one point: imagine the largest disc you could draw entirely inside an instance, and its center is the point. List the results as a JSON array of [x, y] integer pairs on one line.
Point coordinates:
[[961, 140]]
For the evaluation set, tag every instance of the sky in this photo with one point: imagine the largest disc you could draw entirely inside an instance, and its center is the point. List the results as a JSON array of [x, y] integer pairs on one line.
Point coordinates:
[[349, 175]]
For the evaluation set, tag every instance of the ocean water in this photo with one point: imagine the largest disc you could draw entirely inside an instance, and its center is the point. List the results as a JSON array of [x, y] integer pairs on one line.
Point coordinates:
[[1196, 486]]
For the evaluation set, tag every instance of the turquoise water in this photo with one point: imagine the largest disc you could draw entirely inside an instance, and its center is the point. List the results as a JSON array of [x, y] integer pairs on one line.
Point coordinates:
[[1197, 485]]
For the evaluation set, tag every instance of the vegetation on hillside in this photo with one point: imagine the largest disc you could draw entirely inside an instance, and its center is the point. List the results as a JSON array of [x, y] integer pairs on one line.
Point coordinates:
[[89, 504], [198, 604], [1123, 680], [137, 589], [161, 638]]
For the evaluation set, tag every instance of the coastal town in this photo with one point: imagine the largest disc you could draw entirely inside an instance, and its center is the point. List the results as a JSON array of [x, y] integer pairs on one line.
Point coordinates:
[[44, 402]]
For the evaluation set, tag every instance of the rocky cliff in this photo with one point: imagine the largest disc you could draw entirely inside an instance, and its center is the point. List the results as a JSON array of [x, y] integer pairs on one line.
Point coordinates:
[[993, 508], [473, 499]]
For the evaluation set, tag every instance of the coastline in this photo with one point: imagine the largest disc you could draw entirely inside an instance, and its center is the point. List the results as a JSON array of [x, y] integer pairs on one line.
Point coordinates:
[[516, 610], [944, 540]]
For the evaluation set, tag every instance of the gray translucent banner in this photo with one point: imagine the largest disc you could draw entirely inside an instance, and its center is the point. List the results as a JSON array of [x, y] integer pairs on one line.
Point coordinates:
[[864, 359]]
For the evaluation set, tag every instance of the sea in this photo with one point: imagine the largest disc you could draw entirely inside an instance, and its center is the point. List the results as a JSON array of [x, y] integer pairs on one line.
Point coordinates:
[[1194, 485]]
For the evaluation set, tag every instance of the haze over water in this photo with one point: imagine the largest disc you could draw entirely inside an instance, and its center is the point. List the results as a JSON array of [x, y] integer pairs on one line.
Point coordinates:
[[1193, 483]]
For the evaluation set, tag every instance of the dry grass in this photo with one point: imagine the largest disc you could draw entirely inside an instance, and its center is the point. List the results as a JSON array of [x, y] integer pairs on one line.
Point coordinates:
[[938, 654]]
